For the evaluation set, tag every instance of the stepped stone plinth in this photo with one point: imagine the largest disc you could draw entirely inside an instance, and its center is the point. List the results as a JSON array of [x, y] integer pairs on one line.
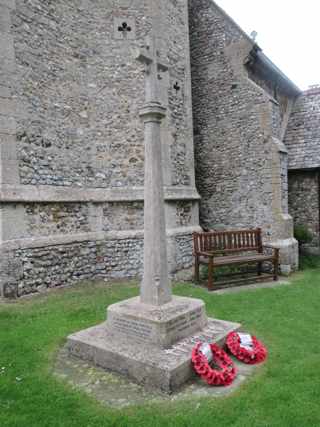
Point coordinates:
[[144, 346]]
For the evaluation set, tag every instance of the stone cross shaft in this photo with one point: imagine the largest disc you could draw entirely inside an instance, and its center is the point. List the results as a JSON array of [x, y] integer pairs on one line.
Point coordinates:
[[150, 56], [155, 287]]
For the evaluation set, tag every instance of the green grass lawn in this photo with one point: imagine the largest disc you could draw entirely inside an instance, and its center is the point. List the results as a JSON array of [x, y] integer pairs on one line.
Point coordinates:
[[284, 392]]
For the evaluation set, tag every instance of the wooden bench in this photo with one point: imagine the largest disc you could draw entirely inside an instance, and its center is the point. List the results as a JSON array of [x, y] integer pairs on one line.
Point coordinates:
[[224, 248]]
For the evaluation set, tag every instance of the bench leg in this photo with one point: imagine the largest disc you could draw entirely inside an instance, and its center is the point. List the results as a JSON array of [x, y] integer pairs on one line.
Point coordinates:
[[276, 265], [196, 270], [276, 270], [259, 268], [210, 274]]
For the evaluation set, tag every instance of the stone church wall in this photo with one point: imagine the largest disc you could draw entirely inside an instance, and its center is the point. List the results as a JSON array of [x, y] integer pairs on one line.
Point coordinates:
[[304, 201], [238, 125], [303, 133], [72, 149], [303, 142], [81, 90]]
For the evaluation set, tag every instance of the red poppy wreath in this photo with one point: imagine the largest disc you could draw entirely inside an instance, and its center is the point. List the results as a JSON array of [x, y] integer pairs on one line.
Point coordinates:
[[250, 353], [225, 371]]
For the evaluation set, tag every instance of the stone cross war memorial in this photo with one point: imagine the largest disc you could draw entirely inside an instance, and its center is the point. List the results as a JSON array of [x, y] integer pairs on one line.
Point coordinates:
[[150, 338], [125, 127]]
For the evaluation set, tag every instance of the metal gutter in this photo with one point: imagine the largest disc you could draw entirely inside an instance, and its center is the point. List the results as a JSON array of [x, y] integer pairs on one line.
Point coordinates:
[[258, 60]]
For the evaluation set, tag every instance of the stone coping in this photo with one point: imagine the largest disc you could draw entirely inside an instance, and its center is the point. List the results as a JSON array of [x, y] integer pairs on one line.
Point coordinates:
[[39, 242], [49, 193]]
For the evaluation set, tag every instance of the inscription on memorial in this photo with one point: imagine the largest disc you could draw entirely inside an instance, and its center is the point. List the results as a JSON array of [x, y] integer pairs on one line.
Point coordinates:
[[188, 321], [132, 327], [211, 333]]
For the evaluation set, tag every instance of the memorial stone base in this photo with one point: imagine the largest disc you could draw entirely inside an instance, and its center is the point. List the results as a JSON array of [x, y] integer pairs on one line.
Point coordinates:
[[151, 345]]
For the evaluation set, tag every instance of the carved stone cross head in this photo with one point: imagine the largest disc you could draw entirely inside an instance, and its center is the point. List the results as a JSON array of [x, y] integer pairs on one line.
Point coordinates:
[[151, 57]]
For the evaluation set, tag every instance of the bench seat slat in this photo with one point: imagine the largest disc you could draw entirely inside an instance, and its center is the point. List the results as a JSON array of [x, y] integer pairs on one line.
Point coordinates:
[[225, 260], [227, 251]]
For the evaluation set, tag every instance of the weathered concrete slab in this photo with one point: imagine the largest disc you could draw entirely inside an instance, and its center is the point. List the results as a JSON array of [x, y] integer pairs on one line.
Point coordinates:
[[162, 369]]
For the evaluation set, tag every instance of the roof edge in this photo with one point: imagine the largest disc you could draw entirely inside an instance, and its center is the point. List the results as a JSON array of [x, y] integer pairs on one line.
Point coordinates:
[[265, 60]]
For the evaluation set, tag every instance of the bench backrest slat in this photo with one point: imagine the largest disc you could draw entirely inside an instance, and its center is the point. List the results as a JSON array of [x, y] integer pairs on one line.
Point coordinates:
[[228, 241]]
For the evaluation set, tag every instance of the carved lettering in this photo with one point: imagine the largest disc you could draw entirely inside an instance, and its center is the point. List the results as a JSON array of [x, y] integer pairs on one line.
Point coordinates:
[[132, 327], [185, 322]]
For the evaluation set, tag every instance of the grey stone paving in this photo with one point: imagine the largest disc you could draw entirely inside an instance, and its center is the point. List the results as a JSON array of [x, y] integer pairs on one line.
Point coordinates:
[[117, 391], [253, 286]]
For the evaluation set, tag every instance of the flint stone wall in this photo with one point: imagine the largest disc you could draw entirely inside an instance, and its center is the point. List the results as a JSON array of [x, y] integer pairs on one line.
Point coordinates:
[[304, 201], [35, 269], [51, 261], [61, 265], [80, 90], [70, 94], [240, 158], [303, 132], [54, 218]]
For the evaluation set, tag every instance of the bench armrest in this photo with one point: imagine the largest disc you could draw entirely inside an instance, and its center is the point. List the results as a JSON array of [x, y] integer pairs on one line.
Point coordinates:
[[206, 254]]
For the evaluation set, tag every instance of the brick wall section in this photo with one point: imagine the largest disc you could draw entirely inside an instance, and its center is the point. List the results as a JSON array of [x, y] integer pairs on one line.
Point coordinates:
[[304, 201], [303, 133]]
